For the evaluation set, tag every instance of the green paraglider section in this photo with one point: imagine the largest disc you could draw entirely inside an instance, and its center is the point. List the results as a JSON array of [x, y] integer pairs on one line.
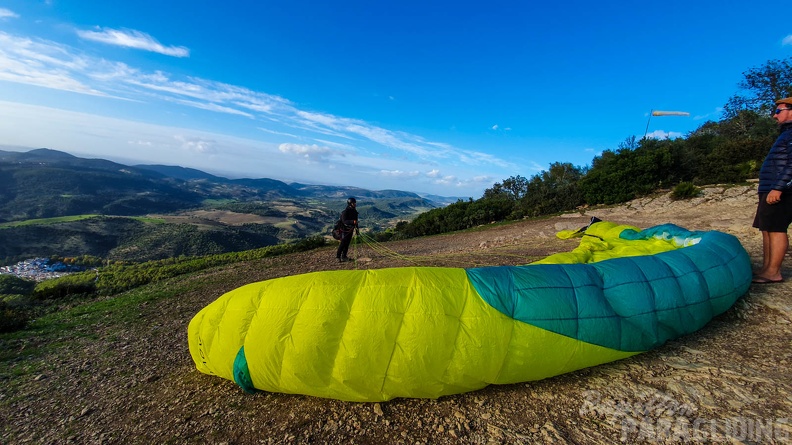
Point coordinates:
[[242, 373]]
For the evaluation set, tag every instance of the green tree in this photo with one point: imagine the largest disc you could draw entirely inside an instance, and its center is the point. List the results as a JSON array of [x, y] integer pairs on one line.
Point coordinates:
[[10, 284], [761, 86], [513, 188], [551, 191]]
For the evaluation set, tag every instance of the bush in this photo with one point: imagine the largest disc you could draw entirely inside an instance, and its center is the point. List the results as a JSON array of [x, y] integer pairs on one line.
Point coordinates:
[[78, 283], [685, 190], [10, 284], [119, 278], [13, 316]]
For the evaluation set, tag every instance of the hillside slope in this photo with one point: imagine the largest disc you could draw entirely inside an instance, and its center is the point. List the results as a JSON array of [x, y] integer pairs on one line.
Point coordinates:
[[122, 372]]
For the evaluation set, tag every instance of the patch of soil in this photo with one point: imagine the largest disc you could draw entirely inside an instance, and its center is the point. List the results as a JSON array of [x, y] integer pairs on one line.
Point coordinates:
[[133, 381], [217, 217]]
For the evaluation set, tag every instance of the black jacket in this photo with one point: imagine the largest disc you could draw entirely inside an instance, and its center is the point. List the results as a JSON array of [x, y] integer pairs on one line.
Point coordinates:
[[349, 217], [776, 171]]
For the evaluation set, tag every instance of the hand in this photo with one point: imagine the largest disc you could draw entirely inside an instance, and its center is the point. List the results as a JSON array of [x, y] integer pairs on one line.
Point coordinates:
[[773, 197]]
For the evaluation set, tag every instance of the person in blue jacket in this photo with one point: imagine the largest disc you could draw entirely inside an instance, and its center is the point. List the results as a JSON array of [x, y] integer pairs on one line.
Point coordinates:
[[349, 217], [774, 211]]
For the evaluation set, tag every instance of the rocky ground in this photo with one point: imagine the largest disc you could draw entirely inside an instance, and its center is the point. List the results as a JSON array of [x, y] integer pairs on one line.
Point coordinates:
[[131, 379]]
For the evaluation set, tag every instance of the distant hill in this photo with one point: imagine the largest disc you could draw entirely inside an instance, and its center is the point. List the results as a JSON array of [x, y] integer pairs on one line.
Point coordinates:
[[328, 191], [47, 183], [445, 200], [183, 173], [48, 157], [202, 213]]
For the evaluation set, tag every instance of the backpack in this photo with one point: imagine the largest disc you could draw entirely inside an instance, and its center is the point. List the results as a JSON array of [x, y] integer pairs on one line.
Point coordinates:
[[338, 230]]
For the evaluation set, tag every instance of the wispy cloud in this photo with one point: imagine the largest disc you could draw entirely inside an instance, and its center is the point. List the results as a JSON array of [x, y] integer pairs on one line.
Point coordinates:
[[8, 14], [535, 167], [399, 173], [279, 133], [57, 66], [351, 142], [129, 38], [717, 112], [787, 40], [43, 64]]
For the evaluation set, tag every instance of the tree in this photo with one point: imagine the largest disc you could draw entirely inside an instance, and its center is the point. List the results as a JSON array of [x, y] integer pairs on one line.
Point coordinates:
[[513, 188], [551, 191], [762, 87]]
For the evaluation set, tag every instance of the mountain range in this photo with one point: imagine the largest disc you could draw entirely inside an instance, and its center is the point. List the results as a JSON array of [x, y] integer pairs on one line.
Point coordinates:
[[55, 203]]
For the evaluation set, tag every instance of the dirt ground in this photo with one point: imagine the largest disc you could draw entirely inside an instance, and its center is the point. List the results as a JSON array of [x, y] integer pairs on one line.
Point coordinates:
[[133, 381]]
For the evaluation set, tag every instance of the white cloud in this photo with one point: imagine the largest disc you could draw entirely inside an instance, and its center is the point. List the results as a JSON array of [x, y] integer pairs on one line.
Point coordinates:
[[787, 40], [279, 133], [310, 153], [346, 147], [196, 144], [447, 180], [42, 64], [478, 158], [433, 173], [660, 134], [395, 140], [212, 107], [129, 38], [495, 127], [399, 173], [7, 14]]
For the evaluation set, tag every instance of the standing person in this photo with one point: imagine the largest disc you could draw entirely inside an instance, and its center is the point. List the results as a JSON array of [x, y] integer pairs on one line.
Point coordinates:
[[349, 217], [774, 212]]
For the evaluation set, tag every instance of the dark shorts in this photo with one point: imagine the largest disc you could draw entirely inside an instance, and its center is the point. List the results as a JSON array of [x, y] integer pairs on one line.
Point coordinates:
[[775, 217]]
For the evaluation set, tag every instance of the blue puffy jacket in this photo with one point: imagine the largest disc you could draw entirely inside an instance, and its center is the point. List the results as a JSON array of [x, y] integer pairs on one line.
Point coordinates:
[[776, 171]]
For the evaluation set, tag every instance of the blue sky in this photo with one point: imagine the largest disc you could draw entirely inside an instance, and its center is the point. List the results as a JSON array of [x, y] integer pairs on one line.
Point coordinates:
[[433, 97]]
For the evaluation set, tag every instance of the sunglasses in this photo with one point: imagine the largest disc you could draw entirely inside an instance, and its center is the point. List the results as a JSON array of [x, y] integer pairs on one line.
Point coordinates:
[[779, 110]]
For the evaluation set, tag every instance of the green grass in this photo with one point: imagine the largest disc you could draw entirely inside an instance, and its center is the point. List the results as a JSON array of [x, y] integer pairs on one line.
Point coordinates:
[[70, 323], [72, 218], [46, 221]]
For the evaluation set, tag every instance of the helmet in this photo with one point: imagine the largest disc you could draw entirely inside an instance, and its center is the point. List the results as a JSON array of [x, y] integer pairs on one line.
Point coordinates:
[[351, 201]]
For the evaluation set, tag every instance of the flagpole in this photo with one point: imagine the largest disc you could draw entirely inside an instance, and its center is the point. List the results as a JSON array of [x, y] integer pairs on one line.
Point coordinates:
[[647, 123]]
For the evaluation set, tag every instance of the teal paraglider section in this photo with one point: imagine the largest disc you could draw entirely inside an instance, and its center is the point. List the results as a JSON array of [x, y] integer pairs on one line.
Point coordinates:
[[631, 303]]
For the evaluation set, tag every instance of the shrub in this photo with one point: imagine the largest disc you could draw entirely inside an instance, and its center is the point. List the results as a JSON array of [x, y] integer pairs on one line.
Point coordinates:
[[13, 316], [78, 283], [119, 278], [685, 190], [10, 284]]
